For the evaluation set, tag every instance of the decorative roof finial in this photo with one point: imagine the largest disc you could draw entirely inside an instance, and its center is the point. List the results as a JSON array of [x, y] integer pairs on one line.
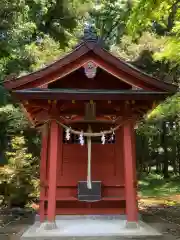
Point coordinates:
[[90, 33]]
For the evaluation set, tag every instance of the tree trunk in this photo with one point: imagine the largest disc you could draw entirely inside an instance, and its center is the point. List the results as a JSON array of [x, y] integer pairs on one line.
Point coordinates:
[[158, 167], [174, 157], [165, 155], [178, 156]]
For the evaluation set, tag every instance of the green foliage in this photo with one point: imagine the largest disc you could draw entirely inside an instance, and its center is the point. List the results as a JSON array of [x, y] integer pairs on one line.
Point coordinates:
[[43, 53], [130, 51], [170, 51], [19, 178], [13, 122], [110, 18], [169, 109], [13, 118], [150, 14], [159, 135], [161, 17], [33, 33], [154, 185], [141, 54]]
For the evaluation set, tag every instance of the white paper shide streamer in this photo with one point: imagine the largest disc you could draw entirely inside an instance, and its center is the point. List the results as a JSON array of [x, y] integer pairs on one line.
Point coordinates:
[[103, 138], [88, 134], [68, 134], [81, 138]]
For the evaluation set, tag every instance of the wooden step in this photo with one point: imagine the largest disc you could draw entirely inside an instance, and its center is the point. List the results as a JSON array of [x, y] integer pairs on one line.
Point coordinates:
[[76, 199]]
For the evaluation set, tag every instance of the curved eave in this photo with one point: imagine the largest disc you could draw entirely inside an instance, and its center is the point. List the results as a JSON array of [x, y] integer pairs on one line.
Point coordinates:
[[48, 70], [93, 50]]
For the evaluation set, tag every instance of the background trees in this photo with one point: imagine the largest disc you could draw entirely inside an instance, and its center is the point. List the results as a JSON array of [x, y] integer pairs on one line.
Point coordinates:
[[161, 17]]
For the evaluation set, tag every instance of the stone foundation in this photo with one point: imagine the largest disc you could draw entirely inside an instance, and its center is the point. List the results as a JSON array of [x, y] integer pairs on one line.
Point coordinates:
[[88, 227]]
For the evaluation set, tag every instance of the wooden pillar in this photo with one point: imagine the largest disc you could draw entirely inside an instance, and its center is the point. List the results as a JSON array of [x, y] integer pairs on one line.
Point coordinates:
[[129, 164], [43, 166], [53, 159], [133, 134]]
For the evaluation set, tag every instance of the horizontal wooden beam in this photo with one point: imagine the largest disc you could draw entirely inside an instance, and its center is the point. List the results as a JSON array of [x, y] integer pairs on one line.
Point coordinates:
[[90, 95]]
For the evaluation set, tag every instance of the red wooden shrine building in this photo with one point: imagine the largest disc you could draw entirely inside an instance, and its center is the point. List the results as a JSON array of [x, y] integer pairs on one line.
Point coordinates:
[[89, 91]]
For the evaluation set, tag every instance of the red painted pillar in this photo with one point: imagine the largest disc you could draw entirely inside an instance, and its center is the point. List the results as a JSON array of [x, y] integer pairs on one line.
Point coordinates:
[[133, 133], [53, 159], [43, 165], [129, 160]]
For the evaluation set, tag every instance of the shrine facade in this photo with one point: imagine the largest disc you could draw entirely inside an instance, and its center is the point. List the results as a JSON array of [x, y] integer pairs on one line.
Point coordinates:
[[86, 106]]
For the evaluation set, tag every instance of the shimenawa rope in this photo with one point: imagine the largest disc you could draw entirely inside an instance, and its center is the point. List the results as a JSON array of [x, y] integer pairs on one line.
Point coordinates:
[[88, 134]]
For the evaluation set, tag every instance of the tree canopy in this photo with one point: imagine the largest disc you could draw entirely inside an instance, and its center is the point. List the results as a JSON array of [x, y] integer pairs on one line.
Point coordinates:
[[161, 17]]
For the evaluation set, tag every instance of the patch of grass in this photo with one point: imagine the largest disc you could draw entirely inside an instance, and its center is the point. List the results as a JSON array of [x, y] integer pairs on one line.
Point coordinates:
[[154, 185]]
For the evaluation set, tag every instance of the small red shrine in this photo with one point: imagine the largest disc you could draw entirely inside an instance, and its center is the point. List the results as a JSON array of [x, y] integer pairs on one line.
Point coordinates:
[[87, 104]]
